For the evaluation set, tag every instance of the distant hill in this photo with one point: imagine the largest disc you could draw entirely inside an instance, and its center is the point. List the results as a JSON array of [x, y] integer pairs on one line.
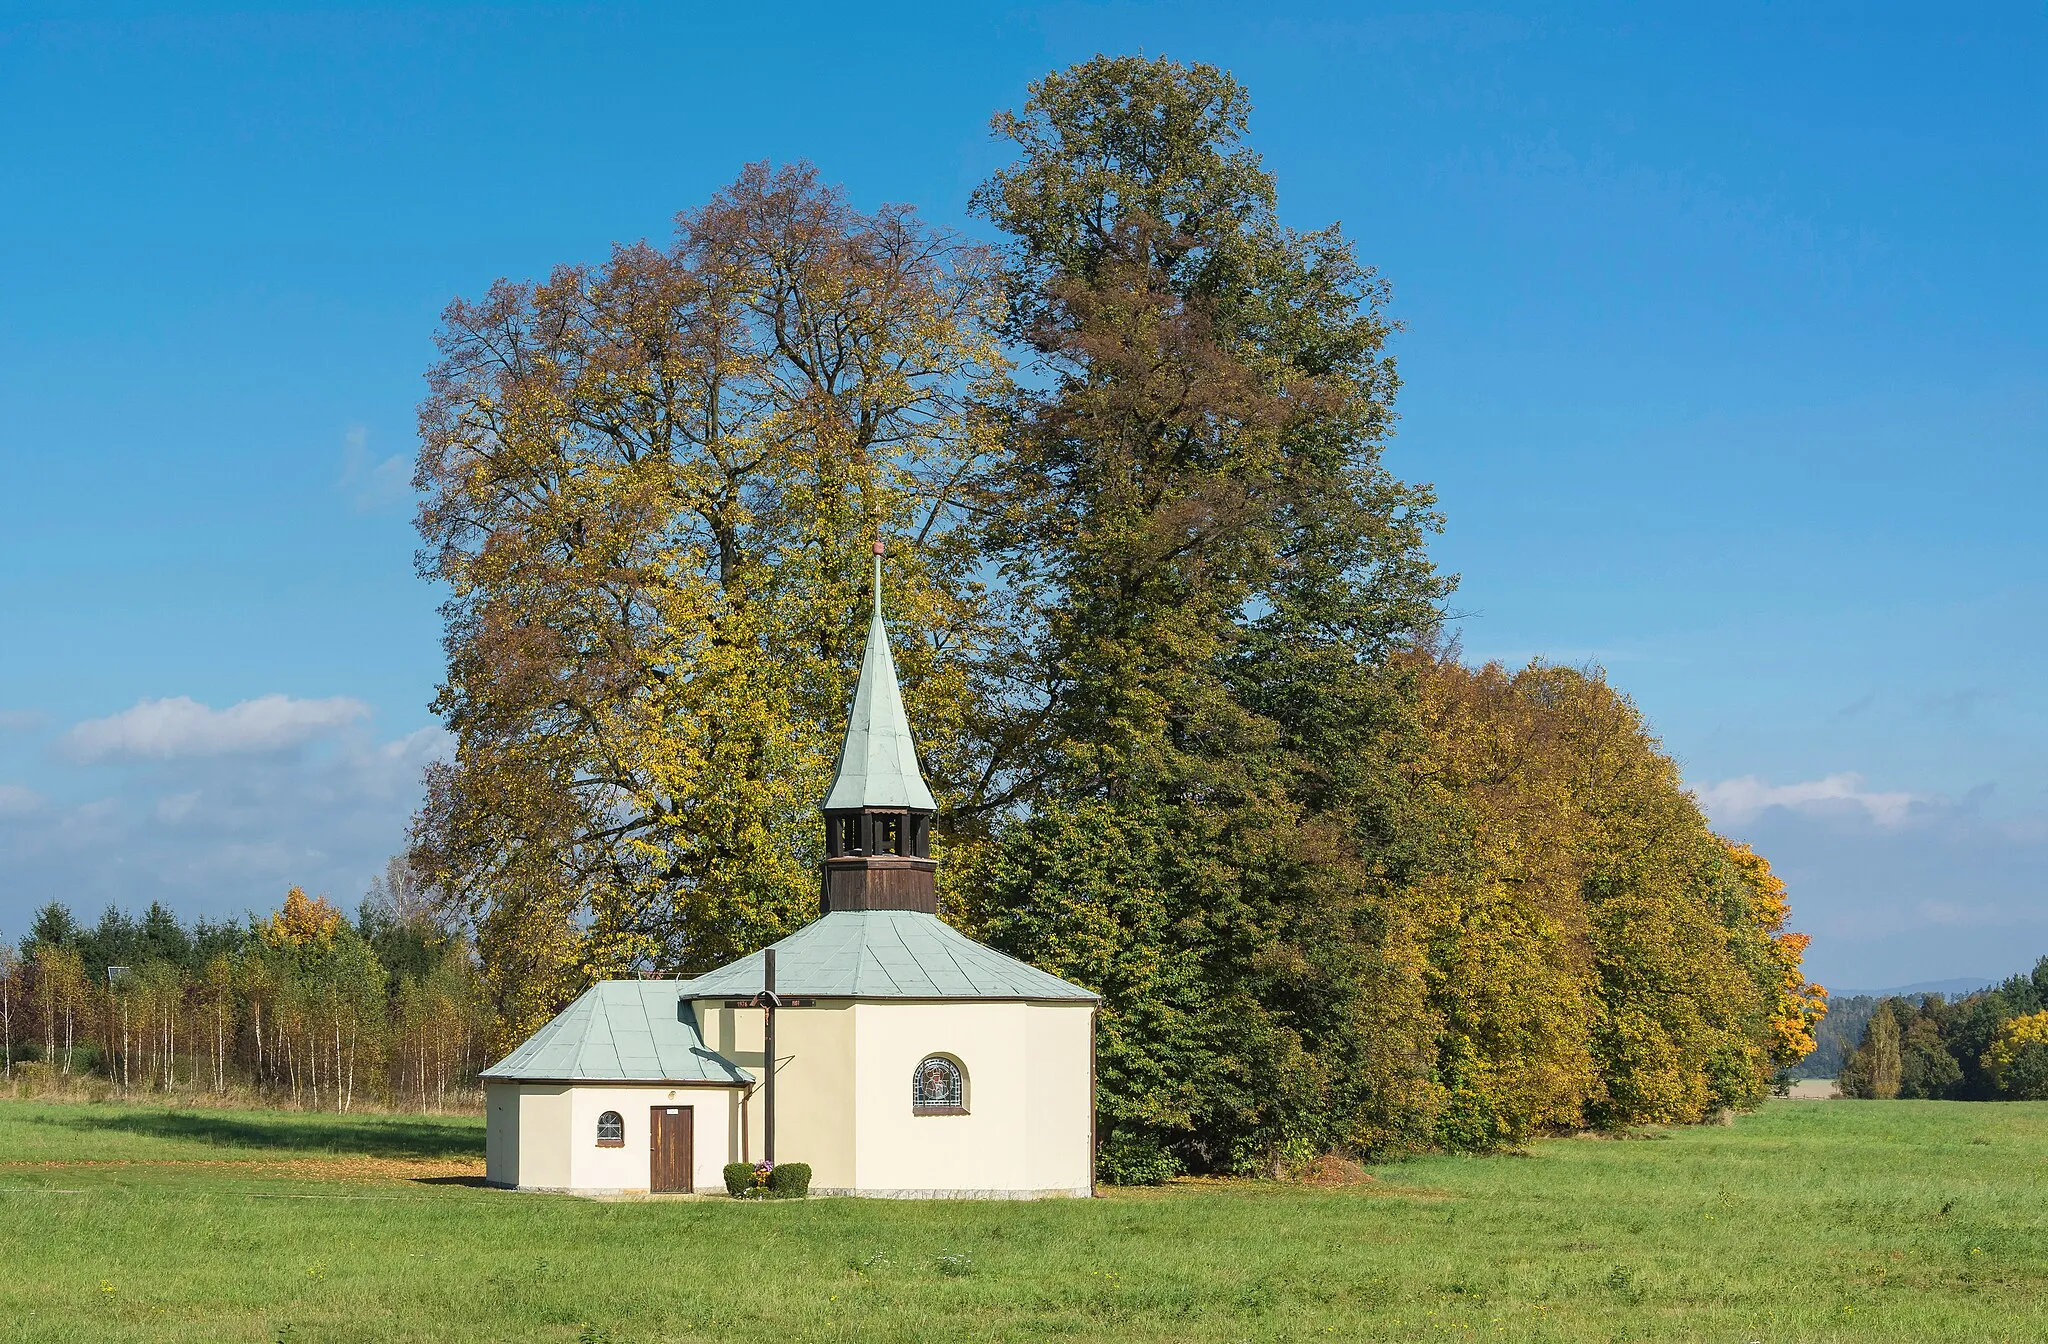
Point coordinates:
[[1947, 988]]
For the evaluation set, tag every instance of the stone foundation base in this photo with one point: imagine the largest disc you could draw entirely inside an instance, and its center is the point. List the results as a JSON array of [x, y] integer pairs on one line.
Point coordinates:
[[1063, 1192], [817, 1192]]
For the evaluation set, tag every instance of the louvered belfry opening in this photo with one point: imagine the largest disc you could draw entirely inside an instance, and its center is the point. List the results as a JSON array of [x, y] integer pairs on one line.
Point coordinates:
[[880, 859], [878, 812]]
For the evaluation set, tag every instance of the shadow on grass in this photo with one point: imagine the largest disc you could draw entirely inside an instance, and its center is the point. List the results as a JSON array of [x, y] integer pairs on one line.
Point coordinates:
[[370, 1136], [477, 1182]]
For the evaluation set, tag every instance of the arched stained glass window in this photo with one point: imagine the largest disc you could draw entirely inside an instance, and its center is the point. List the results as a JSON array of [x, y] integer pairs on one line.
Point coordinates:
[[611, 1130], [939, 1087]]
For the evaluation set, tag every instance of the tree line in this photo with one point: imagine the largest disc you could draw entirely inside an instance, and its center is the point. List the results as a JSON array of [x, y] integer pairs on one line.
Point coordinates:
[[300, 1006], [1170, 634], [1987, 1046]]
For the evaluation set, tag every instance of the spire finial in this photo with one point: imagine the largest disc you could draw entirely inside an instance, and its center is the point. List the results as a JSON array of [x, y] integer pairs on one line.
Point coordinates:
[[881, 549]]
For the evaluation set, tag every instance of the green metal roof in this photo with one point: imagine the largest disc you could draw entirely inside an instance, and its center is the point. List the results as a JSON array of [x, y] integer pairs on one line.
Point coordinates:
[[878, 761], [886, 954], [636, 1031]]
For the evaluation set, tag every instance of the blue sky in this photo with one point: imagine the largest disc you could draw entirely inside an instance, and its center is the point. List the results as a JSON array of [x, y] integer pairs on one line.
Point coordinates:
[[1722, 345]]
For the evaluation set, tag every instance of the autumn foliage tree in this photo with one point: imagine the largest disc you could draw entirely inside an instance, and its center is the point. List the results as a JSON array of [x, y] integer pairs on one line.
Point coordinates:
[[650, 487], [1797, 1004], [1600, 955]]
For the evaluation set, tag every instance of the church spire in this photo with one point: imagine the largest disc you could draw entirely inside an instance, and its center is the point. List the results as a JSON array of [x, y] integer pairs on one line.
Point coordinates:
[[878, 812], [878, 760]]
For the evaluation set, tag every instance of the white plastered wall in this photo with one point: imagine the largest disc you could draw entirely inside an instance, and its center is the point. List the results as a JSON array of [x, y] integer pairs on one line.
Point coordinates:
[[526, 1135], [814, 1050], [1027, 1128], [543, 1136], [843, 1094], [1060, 1045], [501, 1133]]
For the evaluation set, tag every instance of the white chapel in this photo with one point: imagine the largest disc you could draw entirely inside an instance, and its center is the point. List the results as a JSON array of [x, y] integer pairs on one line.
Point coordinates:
[[909, 1061]]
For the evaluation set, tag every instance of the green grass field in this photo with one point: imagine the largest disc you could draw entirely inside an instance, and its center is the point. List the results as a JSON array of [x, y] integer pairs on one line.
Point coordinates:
[[1808, 1221]]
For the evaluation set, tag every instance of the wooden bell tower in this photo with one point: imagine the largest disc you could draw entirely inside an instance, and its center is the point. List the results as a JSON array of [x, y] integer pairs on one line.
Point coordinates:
[[878, 812]]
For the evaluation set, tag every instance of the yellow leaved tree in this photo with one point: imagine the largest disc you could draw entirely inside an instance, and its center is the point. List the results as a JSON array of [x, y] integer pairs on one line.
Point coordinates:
[[301, 922], [2018, 1058], [650, 487], [1797, 1005]]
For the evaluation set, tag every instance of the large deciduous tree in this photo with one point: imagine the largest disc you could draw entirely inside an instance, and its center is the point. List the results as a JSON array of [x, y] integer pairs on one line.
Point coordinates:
[[1337, 889], [1222, 566], [649, 486]]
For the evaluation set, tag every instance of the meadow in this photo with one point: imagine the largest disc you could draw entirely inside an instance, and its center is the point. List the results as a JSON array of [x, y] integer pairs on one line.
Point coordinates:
[[1810, 1220]]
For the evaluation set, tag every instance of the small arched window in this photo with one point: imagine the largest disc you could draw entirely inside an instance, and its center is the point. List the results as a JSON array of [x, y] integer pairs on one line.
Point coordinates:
[[939, 1087], [611, 1130]]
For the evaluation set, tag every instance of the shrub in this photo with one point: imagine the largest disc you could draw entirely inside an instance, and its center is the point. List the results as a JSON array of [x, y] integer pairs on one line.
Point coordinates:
[[34, 1076], [758, 1180], [1136, 1159], [1470, 1122]]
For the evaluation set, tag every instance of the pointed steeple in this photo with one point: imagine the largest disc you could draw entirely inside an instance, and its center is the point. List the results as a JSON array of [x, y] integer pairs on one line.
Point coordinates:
[[878, 761], [878, 812]]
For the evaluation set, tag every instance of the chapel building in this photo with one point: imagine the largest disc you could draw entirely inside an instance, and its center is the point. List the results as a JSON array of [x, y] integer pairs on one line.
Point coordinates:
[[909, 1060]]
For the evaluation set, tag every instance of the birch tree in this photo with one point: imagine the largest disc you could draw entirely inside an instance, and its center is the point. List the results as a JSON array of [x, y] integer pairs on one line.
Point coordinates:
[[217, 1002], [10, 975]]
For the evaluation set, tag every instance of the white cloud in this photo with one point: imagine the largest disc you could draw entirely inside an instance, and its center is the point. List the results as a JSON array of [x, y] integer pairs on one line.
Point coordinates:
[[1746, 798], [181, 727], [210, 832], [370, 484], [18, 800]]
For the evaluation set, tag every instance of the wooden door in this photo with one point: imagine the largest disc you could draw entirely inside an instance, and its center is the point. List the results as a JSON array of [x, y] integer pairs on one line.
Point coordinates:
[[672, 1140]]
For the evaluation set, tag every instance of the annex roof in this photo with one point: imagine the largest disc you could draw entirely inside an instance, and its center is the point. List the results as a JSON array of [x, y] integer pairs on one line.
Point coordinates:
[[621, 1031], [886, 954], [878, 760]]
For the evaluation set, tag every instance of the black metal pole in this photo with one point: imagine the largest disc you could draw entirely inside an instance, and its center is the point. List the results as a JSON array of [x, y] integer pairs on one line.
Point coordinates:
[[768, 1053]]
